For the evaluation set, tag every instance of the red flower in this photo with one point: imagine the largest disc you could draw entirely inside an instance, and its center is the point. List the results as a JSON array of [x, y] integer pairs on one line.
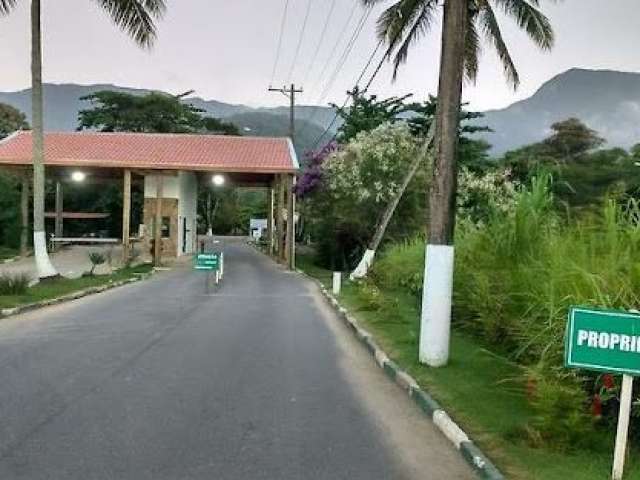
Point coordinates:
[[596, 406], [607, 381]]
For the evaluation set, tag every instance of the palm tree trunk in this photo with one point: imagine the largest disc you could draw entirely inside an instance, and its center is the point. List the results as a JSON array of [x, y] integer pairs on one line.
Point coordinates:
[[367, 258], [438, 277], [43, 264]]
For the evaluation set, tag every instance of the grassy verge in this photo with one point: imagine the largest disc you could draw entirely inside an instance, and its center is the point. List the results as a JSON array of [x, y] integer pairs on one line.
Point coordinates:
[[63, 286], [6, 253], [478, 388]]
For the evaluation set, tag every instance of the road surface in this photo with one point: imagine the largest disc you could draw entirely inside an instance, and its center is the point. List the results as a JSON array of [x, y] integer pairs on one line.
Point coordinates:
[[159, 380]]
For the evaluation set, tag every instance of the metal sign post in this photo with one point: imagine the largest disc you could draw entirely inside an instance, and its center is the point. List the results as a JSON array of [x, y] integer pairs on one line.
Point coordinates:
[[607, 341], [211, 263]]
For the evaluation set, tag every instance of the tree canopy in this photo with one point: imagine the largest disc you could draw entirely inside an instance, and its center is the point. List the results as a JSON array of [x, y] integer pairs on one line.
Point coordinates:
[[151, 113], [11, 119]]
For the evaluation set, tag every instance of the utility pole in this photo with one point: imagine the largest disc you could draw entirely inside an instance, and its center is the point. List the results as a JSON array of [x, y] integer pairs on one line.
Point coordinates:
[[290, 93]]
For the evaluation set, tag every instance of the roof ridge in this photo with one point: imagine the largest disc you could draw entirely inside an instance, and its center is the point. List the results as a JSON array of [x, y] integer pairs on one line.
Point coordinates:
[[158, 134]]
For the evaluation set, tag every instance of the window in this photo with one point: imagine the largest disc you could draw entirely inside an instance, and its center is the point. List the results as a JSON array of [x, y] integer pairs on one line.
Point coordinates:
[[165, 229]]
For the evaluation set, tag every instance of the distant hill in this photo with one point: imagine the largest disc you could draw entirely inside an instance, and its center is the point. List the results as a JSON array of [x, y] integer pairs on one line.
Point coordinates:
[[607, 101], [62, 104]]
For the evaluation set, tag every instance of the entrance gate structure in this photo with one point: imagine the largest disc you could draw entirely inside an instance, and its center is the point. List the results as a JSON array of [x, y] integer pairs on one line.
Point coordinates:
[[170, 168]]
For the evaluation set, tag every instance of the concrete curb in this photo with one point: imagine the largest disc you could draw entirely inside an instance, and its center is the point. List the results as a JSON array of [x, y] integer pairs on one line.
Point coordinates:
[[478, 461], [10, 312]]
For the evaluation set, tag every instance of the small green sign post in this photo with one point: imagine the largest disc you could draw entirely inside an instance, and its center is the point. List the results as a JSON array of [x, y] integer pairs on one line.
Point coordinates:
[[207, 261], [210, 263], [607, 341]]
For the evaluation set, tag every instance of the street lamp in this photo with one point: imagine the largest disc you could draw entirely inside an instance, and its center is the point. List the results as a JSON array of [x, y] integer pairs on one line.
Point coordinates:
[[218, 180], [78, 176]]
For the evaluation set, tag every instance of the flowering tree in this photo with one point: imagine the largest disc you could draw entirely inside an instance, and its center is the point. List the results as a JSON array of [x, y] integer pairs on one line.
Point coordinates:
[[352, 186]]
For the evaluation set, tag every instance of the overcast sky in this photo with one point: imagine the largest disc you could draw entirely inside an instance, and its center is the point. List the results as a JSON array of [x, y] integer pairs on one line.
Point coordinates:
[[225, 50]]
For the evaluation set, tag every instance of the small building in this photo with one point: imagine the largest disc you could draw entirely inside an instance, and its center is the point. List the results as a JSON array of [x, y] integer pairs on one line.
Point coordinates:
[[258, 228], [171, 168]]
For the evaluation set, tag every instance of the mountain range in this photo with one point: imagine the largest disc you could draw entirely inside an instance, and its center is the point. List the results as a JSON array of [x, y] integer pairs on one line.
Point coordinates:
[[607, 101]]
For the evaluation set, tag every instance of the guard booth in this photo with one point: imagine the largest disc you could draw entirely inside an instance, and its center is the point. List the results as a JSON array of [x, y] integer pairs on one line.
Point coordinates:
[[170, 168]]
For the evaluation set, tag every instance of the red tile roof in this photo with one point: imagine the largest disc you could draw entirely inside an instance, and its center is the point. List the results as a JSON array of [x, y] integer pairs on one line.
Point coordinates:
[[155, 151]]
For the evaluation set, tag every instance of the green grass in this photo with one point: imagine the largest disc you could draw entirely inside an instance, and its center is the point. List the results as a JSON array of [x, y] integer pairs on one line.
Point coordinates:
[[479, 389], [6, 253], [62, 286]]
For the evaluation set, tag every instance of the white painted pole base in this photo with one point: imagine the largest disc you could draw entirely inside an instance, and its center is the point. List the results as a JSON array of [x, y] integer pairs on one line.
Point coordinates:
[[623, 427], [363, 267], [43, 264], [435, 320], [221, 265], [337, 283]]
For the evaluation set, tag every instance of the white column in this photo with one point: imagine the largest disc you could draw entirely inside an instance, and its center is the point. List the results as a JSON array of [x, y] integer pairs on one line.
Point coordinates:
[[435, 321]]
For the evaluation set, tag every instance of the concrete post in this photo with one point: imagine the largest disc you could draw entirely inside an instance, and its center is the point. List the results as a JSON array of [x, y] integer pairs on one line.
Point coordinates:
[[291, 229], [157, 251], [59, 209], [279, 219], [126, 216], [24, 213], [270, 220]]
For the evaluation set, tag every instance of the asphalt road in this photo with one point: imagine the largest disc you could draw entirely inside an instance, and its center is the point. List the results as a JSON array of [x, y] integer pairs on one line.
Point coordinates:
[[161, 381]]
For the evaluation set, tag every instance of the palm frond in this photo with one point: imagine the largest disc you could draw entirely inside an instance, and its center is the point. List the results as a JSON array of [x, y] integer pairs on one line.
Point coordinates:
[[472, 48], [531, 20], [402, 24], [6, 6], [136, 17], [491, 29]]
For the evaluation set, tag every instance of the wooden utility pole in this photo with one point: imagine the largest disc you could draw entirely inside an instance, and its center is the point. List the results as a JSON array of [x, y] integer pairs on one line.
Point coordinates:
[[290, 93], [270, 219], [290, 250]]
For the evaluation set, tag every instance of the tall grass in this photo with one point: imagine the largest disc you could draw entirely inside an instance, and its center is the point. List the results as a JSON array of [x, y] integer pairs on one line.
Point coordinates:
[[517, 275]]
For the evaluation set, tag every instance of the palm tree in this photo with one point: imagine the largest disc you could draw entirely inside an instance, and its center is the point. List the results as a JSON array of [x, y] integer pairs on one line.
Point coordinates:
[[136, 18], [465, 23]]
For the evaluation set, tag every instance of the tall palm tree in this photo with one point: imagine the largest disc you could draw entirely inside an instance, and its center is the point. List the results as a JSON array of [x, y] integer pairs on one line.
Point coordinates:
[[465, 24], [137, 19]]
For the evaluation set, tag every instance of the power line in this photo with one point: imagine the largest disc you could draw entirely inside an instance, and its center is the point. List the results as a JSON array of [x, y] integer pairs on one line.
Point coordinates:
[[279, 48], [338, 41], [300, 40], [360, 77], [314, 57], [341, 61]]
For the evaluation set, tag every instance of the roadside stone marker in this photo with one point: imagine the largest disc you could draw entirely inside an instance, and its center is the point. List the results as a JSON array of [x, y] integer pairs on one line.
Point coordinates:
[[607, 341]]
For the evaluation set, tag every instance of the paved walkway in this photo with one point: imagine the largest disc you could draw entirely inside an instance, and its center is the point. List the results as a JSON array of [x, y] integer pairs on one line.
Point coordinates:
[[71, 261], [159, 381]]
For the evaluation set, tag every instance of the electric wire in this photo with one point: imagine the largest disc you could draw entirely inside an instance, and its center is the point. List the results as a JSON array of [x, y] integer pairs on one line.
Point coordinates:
[[280, 36], [300, 41], [323, 32]]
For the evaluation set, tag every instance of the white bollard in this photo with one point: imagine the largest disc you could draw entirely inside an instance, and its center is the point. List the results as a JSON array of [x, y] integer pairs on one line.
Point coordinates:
[[337, 282]]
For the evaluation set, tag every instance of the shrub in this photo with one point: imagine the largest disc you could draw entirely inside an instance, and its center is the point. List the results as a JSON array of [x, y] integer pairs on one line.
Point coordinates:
[[14, 284], [96, 258]]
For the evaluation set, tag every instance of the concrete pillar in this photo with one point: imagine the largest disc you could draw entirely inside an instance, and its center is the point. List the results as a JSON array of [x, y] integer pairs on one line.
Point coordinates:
[[24, 213], [279, 219], [59, 209], [290, 249], [126, 216], [157, 251], [270, 220]]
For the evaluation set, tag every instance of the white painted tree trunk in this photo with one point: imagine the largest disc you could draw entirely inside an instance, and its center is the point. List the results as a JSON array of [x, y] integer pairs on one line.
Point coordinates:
[[436, 305], [363, 267], [43, 263]]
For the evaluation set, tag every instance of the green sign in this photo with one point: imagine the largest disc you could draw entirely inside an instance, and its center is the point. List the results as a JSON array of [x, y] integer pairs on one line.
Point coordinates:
[[207, 261], [604, 340]]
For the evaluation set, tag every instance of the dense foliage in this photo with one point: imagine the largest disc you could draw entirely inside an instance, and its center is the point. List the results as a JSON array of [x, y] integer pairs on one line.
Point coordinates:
[[152, 113]]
